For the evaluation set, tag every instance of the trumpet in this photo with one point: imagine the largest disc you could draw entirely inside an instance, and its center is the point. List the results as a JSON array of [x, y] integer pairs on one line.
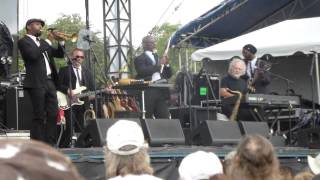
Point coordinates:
[[63, 36]]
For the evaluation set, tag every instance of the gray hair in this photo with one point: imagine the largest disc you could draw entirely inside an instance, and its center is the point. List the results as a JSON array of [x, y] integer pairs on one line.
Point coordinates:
[[234, 61]]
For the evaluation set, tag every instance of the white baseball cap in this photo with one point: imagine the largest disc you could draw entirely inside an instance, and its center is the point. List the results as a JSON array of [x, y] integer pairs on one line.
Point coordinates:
[[314, 164], [200, 165], [125, 138]]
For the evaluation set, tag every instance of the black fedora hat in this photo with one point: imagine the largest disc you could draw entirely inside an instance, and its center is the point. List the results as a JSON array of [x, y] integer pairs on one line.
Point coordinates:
[[35, 20]]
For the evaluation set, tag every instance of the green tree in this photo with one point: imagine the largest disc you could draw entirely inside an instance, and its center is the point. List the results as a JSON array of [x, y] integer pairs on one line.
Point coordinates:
[[163, 34]]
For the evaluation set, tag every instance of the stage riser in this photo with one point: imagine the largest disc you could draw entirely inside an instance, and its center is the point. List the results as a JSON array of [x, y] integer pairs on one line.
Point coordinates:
[[90, 161], [167, 168]]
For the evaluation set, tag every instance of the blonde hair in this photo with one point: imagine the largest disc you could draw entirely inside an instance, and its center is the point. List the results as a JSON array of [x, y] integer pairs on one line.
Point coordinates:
[[138, 163], [255, 160]]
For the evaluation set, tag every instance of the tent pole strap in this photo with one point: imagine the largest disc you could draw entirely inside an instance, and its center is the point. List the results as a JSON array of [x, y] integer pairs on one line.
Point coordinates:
[[317, 75]]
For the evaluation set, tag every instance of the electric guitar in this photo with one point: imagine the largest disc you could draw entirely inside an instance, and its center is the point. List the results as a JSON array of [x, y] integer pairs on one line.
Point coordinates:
[[64, 102]]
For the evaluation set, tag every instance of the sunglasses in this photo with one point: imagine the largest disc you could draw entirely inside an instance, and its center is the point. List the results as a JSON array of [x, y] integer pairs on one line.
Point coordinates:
[[82, 57]]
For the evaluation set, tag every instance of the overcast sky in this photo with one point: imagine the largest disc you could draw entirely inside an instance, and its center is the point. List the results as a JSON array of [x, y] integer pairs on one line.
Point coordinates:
[[144, 13]]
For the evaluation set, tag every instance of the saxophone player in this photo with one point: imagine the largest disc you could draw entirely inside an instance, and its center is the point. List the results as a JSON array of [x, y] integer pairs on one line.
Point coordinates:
[[232, 88]]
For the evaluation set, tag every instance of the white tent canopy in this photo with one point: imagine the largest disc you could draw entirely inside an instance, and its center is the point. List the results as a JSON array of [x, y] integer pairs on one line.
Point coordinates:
[[281, 39]]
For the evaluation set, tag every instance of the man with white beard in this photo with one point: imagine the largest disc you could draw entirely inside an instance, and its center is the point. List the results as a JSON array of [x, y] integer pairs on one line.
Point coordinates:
[[233, 83]]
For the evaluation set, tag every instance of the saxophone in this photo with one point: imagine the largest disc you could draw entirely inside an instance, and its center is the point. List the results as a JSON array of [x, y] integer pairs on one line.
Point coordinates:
[[235, 110], [250, 86], [89, 114]]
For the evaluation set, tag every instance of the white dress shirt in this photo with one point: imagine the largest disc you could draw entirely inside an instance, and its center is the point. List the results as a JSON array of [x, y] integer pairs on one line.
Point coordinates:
[[156, 75], [251, 66], [44, 54], [80, 75]]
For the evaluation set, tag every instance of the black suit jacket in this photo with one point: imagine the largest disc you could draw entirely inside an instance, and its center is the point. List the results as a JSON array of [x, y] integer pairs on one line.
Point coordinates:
[[145, 68], [86, 78], [36, 73]]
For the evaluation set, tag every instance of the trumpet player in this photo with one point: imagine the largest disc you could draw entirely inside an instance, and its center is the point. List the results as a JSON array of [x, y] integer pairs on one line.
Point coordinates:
[[41, 79]]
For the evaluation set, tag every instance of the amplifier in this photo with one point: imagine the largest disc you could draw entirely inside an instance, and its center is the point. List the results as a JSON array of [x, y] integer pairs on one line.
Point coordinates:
[[19, 109], [202, 90]]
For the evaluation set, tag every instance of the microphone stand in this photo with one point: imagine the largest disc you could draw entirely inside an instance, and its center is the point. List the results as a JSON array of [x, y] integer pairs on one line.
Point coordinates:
[[288, 81], [73, 138], [94, 59], [190, 87], [312, 90], [211, 91]]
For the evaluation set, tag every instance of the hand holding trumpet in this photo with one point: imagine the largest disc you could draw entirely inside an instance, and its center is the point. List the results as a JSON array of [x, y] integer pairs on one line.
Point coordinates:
[[60, 36]]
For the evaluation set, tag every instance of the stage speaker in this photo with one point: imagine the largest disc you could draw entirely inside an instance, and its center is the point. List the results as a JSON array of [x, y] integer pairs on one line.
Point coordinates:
[[94, 134], [198, 114], [253, 127], [19, 111], [309, 138], [217, 133], [160, 132]]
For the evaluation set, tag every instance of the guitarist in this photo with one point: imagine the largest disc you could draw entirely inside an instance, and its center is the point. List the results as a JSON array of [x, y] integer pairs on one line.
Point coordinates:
[[80, 76]]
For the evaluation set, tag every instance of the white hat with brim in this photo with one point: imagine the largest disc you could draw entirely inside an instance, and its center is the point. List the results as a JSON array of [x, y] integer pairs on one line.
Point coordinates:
[[314, 164]]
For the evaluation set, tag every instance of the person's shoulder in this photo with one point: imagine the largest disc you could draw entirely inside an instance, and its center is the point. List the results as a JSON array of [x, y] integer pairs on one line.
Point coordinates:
[[24, 38], [140, 56], [226, 77]]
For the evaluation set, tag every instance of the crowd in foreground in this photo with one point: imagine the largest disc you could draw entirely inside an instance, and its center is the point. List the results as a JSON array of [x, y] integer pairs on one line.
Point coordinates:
[[126, 157]]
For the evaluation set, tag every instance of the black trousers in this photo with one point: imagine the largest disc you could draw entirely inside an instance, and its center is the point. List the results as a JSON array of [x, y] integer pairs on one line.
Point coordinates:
[[78, 124], [156, 103], [245, 113], [45, 110]]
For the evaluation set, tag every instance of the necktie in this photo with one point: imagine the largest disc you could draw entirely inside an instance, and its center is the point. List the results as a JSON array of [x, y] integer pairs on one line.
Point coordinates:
[[155, 57], [78, 76], [251, 72]]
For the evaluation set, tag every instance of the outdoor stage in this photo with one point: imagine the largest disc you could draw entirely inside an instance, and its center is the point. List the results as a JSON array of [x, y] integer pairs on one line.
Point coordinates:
[[166, 160]]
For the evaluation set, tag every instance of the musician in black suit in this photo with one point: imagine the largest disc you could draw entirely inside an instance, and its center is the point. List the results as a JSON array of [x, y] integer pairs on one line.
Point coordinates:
[[41, 79], [150, 68], [80, 76], [256, 72]]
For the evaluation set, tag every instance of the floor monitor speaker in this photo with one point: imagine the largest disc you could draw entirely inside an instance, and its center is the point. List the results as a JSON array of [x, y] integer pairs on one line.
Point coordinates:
[[160, 132], [254, 127], [218, 133], [94, 134]]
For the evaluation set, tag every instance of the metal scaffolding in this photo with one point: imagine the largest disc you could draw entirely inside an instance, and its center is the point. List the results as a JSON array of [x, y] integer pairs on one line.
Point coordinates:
[[117, 36]]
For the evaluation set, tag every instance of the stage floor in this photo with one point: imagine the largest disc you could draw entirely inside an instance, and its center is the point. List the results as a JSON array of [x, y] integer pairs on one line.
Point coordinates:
[[165, 160]]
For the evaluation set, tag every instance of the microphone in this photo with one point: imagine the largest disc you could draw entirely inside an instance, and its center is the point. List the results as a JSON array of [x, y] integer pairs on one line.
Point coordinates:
[[87, 38]]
